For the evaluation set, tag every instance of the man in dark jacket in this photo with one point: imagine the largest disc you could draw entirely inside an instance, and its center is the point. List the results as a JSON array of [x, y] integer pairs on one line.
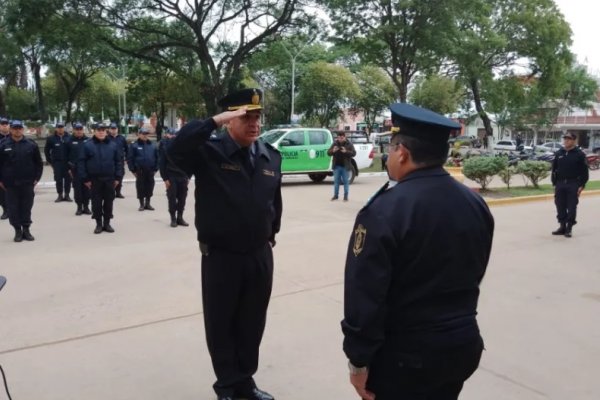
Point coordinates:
[[81, 192], [142, 161], [113, 131], [176, 181], [417, 255], [238, 213], [569, 176], [56, 154], [100, 166], [21, 168], [4, 133], [342, 152]]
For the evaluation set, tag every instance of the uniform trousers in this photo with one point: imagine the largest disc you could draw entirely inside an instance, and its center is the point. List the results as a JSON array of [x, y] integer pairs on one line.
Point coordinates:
[[401, 372], [236, 289], [566, 200], [81, 192], [62, 178], [103, 196], [144, 183], [177, 194], [19, 202]]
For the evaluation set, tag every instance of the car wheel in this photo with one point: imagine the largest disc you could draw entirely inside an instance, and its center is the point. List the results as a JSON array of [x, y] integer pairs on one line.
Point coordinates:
[[317, 178], [351, 175]]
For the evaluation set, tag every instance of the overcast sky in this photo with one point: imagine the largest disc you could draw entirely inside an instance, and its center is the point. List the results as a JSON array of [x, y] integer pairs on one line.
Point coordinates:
[[583, 17]]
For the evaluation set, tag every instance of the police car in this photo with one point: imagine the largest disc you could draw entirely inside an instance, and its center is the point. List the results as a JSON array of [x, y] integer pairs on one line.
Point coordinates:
[[304, 151]]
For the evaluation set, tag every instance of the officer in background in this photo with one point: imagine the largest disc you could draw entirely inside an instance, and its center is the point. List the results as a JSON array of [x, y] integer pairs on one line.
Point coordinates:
[[142, 161], [56, 154], [81, 192], [21, 168], [100, 166], [417, 255], [237, 220], [569, 176], [176, 181], [113, 131], [4, 133]]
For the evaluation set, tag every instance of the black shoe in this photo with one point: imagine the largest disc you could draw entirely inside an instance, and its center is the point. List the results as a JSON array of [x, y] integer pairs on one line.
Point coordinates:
[[18, 235], [142, 208], [257, 394], [86, 210], [79, 210], [107, 227], [119, 196], [147, 206], [98, 229], [334, 198], [4, 215], [67, 199], [345, 198], [568, 230], [27, 235], [58, 199], [181, 221], [173, 223], [561, 230]]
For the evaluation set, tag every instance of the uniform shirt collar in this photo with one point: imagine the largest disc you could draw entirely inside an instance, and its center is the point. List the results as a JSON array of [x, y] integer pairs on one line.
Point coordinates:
[[231, 147], [425, 173]]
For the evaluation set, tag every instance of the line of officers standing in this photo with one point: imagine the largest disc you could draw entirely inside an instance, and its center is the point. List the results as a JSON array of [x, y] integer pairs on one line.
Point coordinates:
[[92, 167]]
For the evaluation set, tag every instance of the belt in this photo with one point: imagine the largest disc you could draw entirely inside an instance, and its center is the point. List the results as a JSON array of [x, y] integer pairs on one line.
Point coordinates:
[[567, 180], [206, 249]]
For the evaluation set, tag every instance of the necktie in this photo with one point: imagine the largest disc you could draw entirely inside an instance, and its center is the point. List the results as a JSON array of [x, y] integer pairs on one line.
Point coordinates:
[[246, 161]]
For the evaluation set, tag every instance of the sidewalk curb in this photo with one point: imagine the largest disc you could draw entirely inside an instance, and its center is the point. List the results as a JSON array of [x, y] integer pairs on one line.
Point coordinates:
[[529, 199]]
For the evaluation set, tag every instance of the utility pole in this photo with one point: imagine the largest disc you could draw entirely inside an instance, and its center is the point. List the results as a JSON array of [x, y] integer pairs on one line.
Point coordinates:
[[293, 58]]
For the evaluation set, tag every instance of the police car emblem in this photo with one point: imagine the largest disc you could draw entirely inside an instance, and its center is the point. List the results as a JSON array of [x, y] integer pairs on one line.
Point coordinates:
[[360, 235]]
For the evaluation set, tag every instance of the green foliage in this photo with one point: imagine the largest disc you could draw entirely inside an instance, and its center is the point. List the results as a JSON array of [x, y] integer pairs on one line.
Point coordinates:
[[535, 171], [483, 169], [438, 93], [376, 92], [20, 103], [507, 173]]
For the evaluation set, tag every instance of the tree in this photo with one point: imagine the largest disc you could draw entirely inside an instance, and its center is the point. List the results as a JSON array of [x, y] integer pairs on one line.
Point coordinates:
[[438, 93], [221, 34], [376, 92], [323, 91]]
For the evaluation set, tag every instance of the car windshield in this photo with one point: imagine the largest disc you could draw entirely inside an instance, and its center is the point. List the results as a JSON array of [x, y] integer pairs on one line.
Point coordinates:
[[272, 136]]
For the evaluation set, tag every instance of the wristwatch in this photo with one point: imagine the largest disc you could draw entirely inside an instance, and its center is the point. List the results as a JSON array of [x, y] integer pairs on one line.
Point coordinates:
[[354, 370]]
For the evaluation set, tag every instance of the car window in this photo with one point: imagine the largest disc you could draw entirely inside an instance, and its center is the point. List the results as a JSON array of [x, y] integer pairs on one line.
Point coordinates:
[[296, 138], [317, 137], [272, 136], [504, 143]]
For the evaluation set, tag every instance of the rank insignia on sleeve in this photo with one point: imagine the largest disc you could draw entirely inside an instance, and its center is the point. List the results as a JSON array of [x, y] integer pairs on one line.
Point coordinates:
[[360, 234]]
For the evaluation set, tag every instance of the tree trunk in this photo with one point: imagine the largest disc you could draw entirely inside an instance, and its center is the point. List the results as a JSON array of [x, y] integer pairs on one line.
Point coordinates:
[[39, 92], [487, 123], [2, 103], [161, 121]]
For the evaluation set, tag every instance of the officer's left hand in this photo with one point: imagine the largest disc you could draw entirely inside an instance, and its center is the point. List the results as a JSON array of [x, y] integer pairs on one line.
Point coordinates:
[[359, 381], [35, 183], [2, 186], [115, 184], [579, 191]]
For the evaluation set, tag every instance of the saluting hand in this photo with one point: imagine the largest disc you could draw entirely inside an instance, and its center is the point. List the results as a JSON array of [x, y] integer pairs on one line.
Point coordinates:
[[225, 117], [359, 381]]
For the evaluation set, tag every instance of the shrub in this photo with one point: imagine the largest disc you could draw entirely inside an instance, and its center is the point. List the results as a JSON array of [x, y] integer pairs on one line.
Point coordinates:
[[507, 173], [483, 169], [535, 171]]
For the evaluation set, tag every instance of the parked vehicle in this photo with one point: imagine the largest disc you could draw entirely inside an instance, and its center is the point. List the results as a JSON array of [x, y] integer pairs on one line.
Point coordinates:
[[550, 146], [510, 145], [593, 161], [469, 140], [304, 151]]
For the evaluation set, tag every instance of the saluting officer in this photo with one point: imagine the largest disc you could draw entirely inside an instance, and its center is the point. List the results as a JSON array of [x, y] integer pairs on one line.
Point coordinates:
[[142, 161], [4, 133], [176, 181], [21, 168], [81, 192], [56, 154], [569, 176], [238, 213], [417, 255], [113, 131], [100, 166]]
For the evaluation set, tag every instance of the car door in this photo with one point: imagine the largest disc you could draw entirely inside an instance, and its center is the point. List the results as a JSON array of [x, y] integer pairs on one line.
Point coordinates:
[[319, 141], [294, 151]]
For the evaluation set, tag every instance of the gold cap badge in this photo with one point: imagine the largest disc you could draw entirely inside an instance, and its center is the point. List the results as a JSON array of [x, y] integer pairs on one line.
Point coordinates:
[[255, 98]]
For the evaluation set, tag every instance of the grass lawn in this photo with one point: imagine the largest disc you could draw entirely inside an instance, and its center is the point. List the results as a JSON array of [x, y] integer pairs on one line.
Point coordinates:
[[521, 191], [376, 167]]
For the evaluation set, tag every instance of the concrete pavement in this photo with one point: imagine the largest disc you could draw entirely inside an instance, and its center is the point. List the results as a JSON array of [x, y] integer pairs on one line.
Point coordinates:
[[119, 316]]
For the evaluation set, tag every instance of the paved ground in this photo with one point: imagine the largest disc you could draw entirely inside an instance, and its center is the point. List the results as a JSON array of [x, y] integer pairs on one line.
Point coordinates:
[[119, 316]]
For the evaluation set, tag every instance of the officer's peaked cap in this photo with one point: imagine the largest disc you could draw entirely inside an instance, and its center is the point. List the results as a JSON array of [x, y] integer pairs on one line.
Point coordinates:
[[77, 125], [3, 120], [113, 125], [421, 123], [250, 98], [60, 124], [15, 123]]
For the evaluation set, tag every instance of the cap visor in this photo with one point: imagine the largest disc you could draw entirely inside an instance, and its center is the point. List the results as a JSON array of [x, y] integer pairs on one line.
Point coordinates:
[[249, 107]]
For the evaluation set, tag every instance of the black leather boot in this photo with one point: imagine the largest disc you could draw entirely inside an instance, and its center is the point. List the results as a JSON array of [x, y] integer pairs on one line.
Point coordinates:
[[180, 220], [147, 206], [107, 227], [4, 214], [98, 228], [561, 230], [58, 199], [18, 235], [68, 198], [141, 205], [86, 209], [79, 209], [173, 221], [27, 235], [568, 230]]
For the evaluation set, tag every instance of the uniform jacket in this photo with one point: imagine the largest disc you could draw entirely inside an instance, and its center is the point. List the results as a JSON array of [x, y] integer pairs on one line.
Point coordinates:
[[74, 146], [571, 166], [20, 162], [416, 257], [100, 160], [142, 155], [121, 143], [342, 158], [55, 149], [168, 170], [235, 210]]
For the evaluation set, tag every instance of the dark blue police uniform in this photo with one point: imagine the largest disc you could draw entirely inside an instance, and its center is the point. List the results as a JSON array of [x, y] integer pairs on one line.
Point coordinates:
[[569, 173], [56, 154], [21, 168], [81, 192], [122, 144], [238, 214], [142, 160], [178, 184], [4, 214], [417, 254], [100, 163]]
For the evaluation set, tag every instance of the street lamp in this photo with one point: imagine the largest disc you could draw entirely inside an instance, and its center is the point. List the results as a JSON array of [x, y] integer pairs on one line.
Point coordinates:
[[293, 58]]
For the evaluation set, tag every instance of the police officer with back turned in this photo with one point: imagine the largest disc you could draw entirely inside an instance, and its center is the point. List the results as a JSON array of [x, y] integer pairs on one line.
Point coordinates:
[[238, 213], [4, 133], [113, 132], [142, 160], [417, 254], [176, 181], [81, 192], [56, 154]]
